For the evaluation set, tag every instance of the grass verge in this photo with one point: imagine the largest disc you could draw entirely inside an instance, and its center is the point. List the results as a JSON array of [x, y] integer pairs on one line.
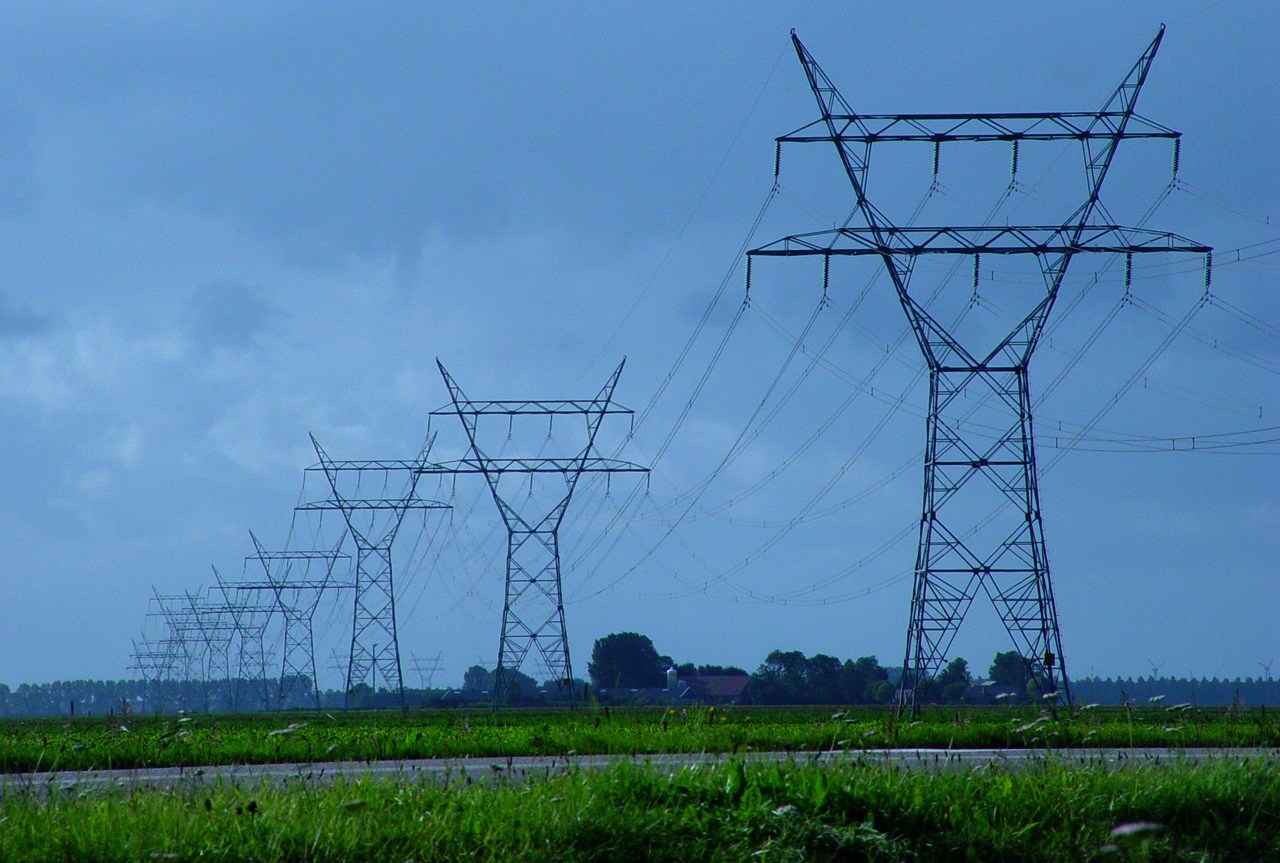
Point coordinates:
[[736, 811]]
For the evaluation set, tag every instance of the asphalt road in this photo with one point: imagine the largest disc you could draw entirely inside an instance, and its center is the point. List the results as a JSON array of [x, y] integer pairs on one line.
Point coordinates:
[[528, 768]]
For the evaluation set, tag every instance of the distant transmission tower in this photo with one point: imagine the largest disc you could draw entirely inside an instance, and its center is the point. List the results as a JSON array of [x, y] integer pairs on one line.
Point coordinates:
[[426, 669], [251, 613], [154, 660], [533, 613], [1004, 556], [373, 523], [296, 596]]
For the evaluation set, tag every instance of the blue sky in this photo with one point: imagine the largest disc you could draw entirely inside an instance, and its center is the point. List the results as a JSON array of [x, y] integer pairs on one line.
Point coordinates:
[[225, 226]]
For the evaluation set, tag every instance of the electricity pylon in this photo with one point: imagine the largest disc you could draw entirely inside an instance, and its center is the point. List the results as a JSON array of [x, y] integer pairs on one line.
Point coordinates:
[[533, 611], [296, 595], [1003, 555], [426, 669], [201, 639], [154, 660], [373, 523], [251, 611]]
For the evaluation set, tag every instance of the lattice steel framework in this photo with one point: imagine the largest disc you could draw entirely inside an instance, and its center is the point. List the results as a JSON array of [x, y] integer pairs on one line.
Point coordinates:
[[373, 524], [201, 634], [155, 659], [296, 595], [1004, 557], [533, 610], [251, 616]]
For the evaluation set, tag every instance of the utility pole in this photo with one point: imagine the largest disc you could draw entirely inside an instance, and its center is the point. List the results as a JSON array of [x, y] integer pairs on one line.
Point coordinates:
[[373, 521], [958, 555], [533, 612]]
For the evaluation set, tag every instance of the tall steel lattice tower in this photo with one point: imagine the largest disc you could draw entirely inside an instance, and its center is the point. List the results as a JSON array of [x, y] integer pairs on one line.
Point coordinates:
[[533, 613], [1004, 554], [373, 522]]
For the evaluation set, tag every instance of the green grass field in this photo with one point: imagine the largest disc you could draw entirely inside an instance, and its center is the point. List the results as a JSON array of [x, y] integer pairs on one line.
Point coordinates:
[[193, 740], [1227, 810], [786, 812]]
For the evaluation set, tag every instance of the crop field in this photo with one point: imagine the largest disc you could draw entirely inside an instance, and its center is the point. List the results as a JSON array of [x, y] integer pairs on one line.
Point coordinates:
[[194, 740]]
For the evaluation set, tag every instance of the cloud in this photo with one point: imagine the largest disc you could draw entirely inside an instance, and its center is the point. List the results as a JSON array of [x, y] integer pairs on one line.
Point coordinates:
[[17, 321], [230, 315]]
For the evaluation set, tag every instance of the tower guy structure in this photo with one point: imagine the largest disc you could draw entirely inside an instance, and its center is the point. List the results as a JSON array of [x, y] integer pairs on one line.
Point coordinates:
[[533, 611], [1002, 555], [373, 522]]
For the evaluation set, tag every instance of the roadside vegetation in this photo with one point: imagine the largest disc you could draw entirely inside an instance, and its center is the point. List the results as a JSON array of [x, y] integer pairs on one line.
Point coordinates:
[[194, 740], [733, 811]]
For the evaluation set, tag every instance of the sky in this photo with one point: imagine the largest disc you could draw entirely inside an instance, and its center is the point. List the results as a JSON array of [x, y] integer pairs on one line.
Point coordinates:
[[224, 227]]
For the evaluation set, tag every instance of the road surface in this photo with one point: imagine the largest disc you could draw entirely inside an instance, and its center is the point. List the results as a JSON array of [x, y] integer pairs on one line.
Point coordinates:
[[527, 768]]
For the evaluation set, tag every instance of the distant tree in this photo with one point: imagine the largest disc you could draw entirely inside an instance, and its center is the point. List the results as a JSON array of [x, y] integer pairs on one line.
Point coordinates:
[[520, 686], [689, 669], [719, 670], [789, 677], [1010, 669], [477, 678], [627, 659], [953, 682], [868, 681], [780, 679]]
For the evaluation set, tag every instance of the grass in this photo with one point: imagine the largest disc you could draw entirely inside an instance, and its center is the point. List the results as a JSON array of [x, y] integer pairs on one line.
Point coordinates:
[[190, 740], [735, 811]]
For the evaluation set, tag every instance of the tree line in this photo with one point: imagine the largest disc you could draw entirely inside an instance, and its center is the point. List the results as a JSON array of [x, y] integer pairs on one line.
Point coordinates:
[[627, 661]]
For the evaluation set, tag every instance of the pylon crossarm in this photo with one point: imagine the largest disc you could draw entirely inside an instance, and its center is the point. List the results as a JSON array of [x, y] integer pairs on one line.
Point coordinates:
[[294, 585], [297, 554], [360, 504], [532, 408], [980, 239], [484, 465], [365, 464], [949, 128]]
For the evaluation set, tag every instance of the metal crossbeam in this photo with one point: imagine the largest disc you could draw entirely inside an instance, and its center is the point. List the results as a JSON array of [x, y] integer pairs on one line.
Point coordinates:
[[485, 465], [982, 240], [534, 407], [947, 128]]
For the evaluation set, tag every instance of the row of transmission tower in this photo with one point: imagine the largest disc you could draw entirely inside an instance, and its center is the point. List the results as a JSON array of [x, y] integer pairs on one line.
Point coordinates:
[[981, 527], [284, 587]]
